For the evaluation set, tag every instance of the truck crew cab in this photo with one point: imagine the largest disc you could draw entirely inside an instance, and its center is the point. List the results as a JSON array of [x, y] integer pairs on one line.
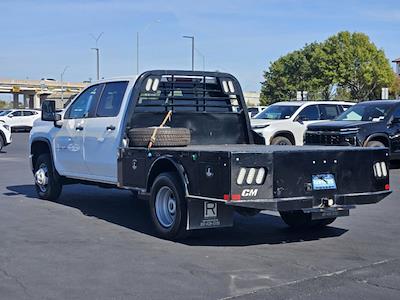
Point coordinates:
[[183, 141]]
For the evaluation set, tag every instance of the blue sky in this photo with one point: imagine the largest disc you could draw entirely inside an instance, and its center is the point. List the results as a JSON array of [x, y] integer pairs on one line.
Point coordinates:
[[39, 38]]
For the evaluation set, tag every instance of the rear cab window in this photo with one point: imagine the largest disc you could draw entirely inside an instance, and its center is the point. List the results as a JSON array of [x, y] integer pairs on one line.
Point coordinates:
[[111, 99]]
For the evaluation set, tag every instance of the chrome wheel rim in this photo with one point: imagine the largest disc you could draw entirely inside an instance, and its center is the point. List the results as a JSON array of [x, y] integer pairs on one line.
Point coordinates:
[[42, 178], [165, 205]]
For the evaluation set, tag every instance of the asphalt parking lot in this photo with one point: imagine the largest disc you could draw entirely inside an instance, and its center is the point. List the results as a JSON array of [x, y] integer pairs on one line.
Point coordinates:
[[99, 244]]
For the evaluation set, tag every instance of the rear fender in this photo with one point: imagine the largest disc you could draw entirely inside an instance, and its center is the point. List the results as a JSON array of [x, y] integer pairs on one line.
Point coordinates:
[[166, 164]]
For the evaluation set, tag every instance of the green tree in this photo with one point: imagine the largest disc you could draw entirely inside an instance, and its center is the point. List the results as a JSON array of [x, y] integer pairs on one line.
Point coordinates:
[[4, 104], [345, 66], [289, 74], [394, 90], [357, 65]]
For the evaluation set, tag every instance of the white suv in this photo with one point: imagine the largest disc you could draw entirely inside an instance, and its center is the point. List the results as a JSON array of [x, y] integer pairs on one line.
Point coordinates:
[[284, 123], [19, 118], [5, 135]]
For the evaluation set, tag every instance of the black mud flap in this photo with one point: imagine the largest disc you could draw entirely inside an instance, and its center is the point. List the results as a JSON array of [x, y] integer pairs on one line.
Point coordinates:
[[208, 214]]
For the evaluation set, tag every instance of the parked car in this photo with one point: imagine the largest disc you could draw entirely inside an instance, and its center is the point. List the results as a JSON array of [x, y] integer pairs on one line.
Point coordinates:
[[284, 123], [20, 119], [5, 135], [254, 110], [367, 124], [206, 164]]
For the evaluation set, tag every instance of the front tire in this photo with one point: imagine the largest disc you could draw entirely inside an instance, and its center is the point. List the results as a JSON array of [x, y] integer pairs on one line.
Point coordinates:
[[47, 181], [2, 142], [375, 144], [168, 206], [298, 219], [281, 140]]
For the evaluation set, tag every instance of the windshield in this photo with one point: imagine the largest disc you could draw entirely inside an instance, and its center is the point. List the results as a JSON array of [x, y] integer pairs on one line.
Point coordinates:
[[277, 112], [4, 112], [366, 112]]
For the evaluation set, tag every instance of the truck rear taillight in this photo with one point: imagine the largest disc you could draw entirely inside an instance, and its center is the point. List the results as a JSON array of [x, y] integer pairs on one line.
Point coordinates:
[[380, 169], [251, 176]]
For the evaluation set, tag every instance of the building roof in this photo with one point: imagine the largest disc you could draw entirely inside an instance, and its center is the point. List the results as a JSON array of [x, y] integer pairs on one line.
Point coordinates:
[[396, 60]]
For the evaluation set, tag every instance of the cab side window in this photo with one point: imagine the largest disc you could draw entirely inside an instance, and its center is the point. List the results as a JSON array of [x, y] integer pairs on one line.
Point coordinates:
[[111, 99], [396, 114], [16, 114], [28, 113], [328, 111], [345, 107], [309, 113], [82, 105]]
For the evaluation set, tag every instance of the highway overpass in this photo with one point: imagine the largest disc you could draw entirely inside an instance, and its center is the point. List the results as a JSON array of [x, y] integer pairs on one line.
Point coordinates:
[[35, 91]]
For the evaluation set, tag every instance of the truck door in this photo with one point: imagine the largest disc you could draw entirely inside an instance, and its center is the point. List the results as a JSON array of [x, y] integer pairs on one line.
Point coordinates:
[[394, 131], [306, 116], [15, 119], [101, 137], [68, 141]]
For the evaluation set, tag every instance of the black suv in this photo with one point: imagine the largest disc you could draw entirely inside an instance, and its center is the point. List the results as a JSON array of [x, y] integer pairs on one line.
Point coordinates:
[[366, 124]]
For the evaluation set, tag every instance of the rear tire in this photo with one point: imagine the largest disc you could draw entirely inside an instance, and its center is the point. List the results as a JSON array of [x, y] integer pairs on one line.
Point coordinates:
[[168, 207], [375, 144], [2, 142], [298, 219], [47, 181], [281, 140]]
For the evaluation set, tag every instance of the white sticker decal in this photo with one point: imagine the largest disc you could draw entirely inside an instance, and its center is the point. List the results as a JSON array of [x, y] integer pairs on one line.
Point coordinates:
[[249, 192], [210, 209]]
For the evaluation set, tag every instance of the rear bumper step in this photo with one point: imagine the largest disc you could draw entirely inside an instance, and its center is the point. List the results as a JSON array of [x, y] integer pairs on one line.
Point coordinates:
[[302, 203], [329, 212]]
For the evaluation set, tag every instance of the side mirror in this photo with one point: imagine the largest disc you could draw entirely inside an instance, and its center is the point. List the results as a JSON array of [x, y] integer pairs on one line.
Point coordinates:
[[300, 119], [49, 111], [396, 121], [10, 116]]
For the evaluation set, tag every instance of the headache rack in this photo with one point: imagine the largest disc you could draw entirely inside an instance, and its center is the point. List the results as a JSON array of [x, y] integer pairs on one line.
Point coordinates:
[[207, 92]]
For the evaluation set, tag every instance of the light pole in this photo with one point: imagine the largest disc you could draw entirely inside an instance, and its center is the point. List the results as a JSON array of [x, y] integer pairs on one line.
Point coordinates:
[[192, 38], [203, 58], [98, 62], [137, 53], [97, 53], [62, 84], [137, 44]]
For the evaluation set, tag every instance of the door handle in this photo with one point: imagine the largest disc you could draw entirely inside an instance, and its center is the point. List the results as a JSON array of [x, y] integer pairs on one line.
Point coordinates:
[[110, 127], [79, 128]]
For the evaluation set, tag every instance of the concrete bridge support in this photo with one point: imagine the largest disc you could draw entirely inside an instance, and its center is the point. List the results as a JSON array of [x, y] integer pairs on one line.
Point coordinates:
[[26, 101], [31, 101], [36, 101], [15, 100]]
